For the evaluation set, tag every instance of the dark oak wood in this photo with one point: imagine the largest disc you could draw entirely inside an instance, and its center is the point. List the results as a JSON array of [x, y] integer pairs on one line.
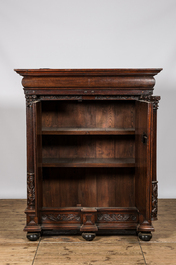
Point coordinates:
[[91, 150]]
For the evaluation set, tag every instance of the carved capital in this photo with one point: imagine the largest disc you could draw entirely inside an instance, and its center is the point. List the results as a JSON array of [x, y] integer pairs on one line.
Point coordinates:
[[154, 200], [30, 99], [30, 190], [152, 99]]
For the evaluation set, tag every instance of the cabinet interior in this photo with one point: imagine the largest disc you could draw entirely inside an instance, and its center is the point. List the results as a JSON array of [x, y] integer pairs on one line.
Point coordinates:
[[88, 153]]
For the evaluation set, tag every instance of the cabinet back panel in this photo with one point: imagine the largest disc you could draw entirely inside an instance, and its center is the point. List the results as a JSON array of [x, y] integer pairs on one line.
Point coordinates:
[[107, 187], [88, 114], [88, 146]]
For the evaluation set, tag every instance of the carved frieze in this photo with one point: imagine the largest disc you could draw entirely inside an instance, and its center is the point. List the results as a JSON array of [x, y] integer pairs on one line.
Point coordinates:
[[30, 190], [60, 97], [117, 97], [154, 199], [30, 99], [61, 217], [116, 217]]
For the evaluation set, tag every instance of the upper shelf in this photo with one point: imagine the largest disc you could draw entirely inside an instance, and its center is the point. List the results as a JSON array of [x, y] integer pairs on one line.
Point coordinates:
[[88, 131]]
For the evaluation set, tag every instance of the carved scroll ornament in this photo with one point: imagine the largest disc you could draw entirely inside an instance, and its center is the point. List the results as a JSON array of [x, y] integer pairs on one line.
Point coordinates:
[[154, 199], [116, 217], [61, 217]]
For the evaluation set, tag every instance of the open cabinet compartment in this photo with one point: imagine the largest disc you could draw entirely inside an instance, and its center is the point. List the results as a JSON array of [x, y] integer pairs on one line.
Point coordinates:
[[87, 168]]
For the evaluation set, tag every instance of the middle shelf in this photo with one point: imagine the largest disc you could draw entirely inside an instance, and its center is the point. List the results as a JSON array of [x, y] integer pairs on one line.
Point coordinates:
[[88, 131], [88, 162]]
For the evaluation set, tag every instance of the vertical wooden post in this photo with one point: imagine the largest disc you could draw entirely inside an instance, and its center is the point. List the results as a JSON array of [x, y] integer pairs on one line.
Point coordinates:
[[155, 100]]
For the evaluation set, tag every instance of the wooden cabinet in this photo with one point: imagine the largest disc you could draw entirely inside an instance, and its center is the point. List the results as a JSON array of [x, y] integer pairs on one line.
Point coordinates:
[[91, 151]]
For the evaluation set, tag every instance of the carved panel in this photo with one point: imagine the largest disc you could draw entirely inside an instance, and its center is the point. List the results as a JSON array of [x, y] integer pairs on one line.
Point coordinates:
[[154, 199], [61, 217], [30, 190], [116, 217]]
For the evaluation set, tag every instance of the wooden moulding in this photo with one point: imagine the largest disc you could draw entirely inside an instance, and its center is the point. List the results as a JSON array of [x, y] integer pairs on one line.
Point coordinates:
[[101, 79]]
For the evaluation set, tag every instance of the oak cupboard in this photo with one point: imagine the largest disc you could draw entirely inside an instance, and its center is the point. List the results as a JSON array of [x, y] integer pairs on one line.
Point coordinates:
[[91, 151]]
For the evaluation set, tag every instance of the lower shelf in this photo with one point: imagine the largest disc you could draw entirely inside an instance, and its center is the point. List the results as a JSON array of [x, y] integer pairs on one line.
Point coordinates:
[[88, 162]]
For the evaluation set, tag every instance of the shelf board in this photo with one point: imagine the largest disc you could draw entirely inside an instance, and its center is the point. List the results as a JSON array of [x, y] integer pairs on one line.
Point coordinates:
[[88, 131], [88, 162]]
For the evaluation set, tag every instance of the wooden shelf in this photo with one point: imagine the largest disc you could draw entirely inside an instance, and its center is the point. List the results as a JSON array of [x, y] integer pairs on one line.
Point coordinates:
[[88, 162], [88, 131]]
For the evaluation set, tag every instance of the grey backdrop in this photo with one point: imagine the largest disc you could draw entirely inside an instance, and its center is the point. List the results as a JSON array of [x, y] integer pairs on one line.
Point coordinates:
[[84, 34]]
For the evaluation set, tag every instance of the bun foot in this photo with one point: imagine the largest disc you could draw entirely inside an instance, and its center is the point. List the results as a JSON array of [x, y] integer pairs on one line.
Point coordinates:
[[33, 236], [145, 236], [88, 236]]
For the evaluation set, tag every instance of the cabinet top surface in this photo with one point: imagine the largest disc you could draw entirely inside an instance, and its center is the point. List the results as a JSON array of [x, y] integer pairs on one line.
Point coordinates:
[[67, 72]]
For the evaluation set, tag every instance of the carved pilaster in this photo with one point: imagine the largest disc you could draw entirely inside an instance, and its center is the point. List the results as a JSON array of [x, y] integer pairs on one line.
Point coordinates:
[[154, 200], [30, 190]]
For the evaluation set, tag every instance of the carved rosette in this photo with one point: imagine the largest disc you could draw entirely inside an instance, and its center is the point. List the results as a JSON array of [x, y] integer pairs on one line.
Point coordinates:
[[116, 217], [30, 190], [61, 217], [154, 200]]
